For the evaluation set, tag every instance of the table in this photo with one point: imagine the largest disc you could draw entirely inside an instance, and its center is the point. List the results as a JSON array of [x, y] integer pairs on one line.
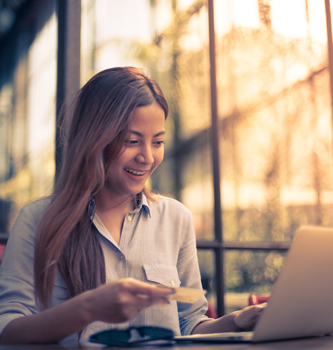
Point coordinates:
[[301, 344]]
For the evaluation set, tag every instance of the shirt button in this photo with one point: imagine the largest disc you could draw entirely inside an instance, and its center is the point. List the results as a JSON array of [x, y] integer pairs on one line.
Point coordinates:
[[129, 218], [172, 282], [120, 257]]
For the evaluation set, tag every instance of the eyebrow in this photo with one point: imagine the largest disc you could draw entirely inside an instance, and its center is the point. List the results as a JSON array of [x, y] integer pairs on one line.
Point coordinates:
[[141, 135]]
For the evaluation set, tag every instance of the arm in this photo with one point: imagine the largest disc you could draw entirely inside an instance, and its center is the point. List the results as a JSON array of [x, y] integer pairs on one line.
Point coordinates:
[[49, 326], [21, 320], [190, 315], [192, 318], [114, 303]]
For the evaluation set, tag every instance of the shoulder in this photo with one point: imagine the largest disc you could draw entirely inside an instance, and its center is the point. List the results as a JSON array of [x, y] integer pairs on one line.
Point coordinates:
[[166, 205], [22, 235], [174, 217], [37, 207], [31, 213]]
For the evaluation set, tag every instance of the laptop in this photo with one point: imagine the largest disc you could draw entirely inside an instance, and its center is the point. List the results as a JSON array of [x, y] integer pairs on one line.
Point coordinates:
[[301, 301]]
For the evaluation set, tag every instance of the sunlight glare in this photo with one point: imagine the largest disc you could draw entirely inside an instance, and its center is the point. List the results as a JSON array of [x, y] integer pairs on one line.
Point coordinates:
[[288, 18], [41, 91], [245, 13], [116, 21]]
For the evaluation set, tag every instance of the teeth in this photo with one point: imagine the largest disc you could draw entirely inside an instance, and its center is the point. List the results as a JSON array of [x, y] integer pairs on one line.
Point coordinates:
[[134, 172]]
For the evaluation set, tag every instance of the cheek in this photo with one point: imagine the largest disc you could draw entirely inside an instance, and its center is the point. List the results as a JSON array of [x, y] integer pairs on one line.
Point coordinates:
[[159, 158], [124, 157]]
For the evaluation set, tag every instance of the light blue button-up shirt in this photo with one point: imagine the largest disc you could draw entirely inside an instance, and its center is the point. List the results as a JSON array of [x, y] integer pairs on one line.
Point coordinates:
[[157, 245]]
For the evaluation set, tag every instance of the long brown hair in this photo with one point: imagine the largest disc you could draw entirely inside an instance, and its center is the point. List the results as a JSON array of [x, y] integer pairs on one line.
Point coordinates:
[[66, 238]]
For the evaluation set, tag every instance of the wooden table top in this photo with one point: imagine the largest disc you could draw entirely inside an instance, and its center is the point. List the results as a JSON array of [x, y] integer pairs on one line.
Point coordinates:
[[309, 343]]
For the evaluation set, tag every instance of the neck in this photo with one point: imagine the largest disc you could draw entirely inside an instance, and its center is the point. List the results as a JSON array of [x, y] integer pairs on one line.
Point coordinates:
[[114, 203]]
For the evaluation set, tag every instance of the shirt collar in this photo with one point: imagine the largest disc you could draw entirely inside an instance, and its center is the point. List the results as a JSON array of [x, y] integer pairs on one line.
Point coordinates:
[[141, 200], [142, 203]]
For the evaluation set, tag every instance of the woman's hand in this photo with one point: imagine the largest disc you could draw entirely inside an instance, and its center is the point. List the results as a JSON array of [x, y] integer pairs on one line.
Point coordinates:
[[247, 318], [242, 320], [123, 300], [115, 302]]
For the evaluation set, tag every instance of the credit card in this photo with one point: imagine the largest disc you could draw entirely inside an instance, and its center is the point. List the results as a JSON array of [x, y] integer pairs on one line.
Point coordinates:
[[187, 295]]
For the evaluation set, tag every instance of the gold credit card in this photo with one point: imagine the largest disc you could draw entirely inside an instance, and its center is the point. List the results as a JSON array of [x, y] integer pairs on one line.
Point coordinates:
[[186, 295]]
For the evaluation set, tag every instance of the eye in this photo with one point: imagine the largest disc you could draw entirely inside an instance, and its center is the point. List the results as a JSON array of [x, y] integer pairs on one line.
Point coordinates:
[[159, 143], [131, 142]]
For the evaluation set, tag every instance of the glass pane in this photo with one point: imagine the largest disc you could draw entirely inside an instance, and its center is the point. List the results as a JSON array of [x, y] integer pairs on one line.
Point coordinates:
[[27, 113], [197, 193], [274, 107], [249, 272], [208, 273], [170, 41]]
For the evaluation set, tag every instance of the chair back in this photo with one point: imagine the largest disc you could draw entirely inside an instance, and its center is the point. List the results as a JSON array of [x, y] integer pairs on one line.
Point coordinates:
[[255, 299]]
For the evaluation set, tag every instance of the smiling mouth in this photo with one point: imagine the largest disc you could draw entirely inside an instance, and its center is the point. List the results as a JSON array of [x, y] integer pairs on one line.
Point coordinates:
[[134, 172]]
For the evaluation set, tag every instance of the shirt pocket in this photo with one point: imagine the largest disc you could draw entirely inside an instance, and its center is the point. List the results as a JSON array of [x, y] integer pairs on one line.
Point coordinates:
[[162, 274]]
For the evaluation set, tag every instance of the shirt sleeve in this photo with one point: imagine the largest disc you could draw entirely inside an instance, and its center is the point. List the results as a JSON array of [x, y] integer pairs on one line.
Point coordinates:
[[17, 294], [190, 315]]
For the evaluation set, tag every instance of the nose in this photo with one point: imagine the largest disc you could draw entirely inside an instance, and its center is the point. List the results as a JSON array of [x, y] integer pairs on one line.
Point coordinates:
[[145, 155]]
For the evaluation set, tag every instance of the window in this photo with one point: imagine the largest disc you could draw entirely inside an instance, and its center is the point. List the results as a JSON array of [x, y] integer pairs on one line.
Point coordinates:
[[265, 166], [27, 110]]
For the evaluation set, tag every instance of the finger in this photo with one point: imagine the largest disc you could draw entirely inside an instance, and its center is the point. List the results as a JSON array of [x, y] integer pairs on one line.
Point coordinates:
[[139, 287], [160, 302], [254, 309], [134, 310], [147, 301], [259, 309]]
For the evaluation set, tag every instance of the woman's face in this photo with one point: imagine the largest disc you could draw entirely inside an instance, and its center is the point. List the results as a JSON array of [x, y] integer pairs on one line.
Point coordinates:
[[142, 153]]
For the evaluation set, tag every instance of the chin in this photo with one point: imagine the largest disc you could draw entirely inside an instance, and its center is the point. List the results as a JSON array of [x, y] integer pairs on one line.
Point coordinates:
[[133, 191], [137, 191]]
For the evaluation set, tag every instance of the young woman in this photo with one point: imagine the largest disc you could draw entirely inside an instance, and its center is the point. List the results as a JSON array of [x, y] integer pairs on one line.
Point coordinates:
[[103, 252]]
